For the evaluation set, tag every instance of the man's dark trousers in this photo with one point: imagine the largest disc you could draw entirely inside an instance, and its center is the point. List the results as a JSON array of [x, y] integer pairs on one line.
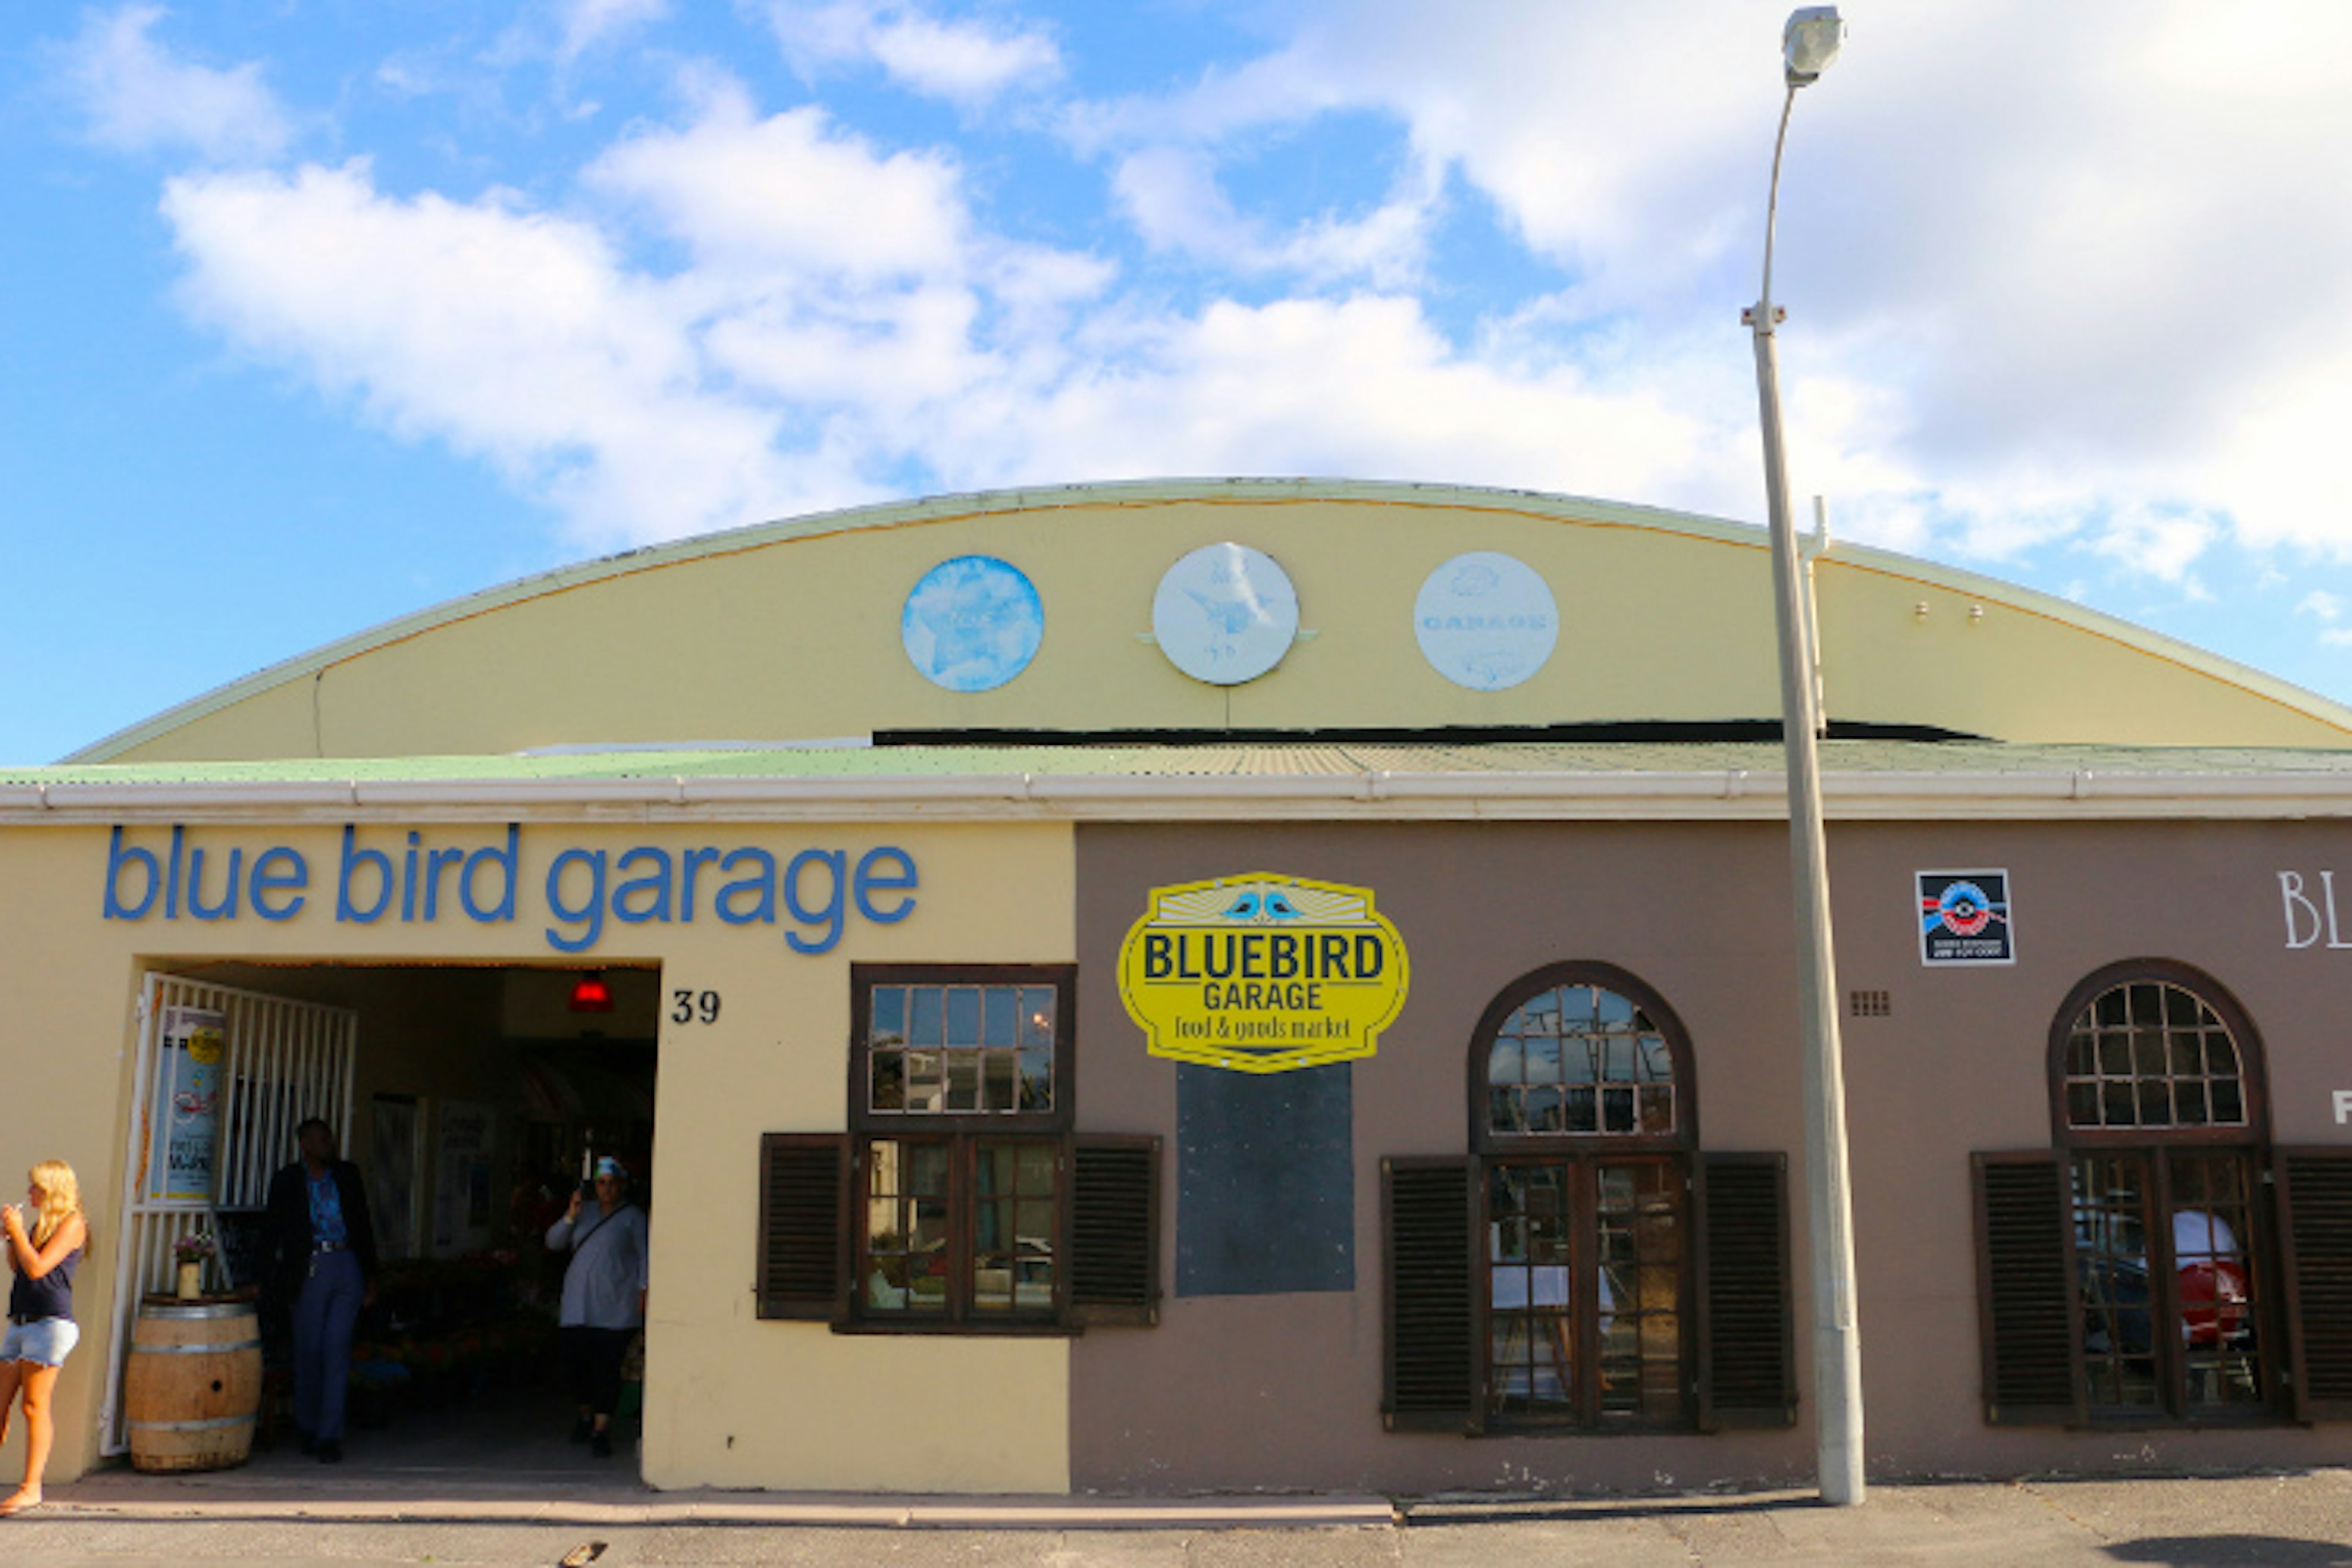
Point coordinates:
[[324, 1315]]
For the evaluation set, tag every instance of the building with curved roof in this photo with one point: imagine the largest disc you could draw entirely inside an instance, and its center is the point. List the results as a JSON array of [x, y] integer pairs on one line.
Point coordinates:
[[1244, 984]]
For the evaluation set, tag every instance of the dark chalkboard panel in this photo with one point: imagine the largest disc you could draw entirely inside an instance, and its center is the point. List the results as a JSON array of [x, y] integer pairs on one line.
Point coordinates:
[[1265, 1181]]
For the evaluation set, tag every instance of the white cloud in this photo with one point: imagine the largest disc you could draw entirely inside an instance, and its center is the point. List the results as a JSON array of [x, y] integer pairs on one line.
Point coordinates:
[[967, 63], [1171, 195], [2319, 602], [584, 24], [791, 190], [138, 97], [511, 335]]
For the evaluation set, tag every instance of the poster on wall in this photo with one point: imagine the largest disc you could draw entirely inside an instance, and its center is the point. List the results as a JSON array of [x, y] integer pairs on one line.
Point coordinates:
[[187, 1119], [1263, 972], [1964, 919], [461, 1179]]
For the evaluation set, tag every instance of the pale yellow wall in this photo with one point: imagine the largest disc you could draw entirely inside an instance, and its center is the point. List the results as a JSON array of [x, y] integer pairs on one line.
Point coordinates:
[[796, 635], [805, 1408]]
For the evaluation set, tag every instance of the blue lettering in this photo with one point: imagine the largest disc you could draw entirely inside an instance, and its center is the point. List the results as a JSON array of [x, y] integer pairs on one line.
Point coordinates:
[[435, 862], [172, 878], [590, 914], [117, 858], [761, 884], [227, 909], [836, 898], [695, 859], [867, 882], [408, 879], [507, 861], [346, 907], [265, 882], [655, 885]]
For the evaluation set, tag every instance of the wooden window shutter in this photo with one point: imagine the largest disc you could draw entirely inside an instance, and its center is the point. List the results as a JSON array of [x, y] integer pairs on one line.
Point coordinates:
[[1115, 1230], [1747, 1369], [1429, 1381], [2314, 1199], [803, 1225], [2025, 1290]]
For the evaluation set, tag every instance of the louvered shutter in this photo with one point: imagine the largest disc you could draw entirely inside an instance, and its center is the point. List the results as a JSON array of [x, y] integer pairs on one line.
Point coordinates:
[[1747, 1373], [1430, 1379], [803, 1229], [1115, 1230], [2025, 1291], [2315, 1188]]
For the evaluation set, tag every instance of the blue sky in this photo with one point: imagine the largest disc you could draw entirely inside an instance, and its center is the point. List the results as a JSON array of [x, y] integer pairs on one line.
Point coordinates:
[[313, 312]]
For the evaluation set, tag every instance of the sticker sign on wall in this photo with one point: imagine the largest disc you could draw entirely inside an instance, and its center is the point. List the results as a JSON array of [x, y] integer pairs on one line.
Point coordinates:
[[188, 1104], [1964, 918], [1263, 972]]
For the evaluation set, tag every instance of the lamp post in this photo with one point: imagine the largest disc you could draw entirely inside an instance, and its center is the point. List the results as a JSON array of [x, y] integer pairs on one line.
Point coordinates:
[[1808, 46]]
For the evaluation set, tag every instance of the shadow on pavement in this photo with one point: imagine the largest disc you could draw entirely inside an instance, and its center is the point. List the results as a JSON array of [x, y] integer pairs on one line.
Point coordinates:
[[2222, 1551]]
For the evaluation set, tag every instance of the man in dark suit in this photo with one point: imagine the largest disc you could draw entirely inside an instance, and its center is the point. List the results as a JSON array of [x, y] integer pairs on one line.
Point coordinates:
[[322, 1245]]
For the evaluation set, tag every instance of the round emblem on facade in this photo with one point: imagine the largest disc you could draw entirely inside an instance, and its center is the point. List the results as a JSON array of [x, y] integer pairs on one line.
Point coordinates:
[[972, 623], [1485, 621], [1225, 614]]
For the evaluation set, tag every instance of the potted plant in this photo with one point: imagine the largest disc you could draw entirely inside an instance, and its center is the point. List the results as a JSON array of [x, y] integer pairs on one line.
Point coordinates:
[[191, 1252]]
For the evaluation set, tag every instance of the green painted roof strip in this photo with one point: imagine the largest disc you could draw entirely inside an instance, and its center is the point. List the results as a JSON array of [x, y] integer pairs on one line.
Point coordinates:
[[1149, 492]]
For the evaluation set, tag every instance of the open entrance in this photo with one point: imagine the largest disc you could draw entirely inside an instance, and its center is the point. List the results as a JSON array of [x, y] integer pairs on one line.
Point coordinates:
[[471, 1098]]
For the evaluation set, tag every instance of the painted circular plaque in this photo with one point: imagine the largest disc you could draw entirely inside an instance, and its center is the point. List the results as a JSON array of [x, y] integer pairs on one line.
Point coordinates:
[[1225, 614], [1485, 621], [972, 623]]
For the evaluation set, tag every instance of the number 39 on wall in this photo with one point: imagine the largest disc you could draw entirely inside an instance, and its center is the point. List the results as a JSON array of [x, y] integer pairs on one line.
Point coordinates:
[[694, 1006]]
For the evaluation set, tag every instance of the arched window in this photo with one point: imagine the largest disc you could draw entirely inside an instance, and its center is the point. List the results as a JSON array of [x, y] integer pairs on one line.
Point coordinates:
[[2159, 1110], [1584, 1115]]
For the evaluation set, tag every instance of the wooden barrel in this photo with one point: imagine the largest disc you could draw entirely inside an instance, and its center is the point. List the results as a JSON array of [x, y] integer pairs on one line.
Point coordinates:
[[193, 1387]]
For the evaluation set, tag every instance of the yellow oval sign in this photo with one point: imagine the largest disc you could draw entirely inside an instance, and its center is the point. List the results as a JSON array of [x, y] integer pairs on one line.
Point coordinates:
[[1263, 972]]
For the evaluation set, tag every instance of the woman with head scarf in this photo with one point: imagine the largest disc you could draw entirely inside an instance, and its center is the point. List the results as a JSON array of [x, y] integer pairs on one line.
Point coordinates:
[[604, 1298]]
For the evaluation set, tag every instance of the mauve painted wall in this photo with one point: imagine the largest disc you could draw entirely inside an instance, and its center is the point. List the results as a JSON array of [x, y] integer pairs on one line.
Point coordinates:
[[1284, 1391]]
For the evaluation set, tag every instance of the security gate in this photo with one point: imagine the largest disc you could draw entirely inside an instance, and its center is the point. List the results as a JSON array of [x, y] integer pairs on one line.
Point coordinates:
[[224, 1078]]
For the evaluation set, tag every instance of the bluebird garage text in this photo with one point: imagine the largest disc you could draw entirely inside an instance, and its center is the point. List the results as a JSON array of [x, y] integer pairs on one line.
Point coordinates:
[[402, 876]]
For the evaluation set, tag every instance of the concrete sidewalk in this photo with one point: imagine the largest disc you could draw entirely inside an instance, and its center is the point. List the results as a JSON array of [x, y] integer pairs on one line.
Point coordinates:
[[2300, 1519]]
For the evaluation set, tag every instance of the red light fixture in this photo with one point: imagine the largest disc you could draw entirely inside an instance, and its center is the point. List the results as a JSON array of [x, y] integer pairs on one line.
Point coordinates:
[[590, 993]]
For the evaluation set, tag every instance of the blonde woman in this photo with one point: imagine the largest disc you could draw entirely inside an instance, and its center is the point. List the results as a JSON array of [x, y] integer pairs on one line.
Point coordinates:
[[41, 1327]]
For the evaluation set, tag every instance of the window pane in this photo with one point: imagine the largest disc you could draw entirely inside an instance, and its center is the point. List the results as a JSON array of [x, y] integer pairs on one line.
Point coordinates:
[[924, 1020], [2216, 1298], [1578, 1035], [963, 1015], [1532, 1326], [2172, 1065], [1001, 1026], [964, 1081], [2111, 1252], [1000, 1082], [888, 1081], [888, 1026], [926, 1082], [1037, 1015], [1036, 1077]]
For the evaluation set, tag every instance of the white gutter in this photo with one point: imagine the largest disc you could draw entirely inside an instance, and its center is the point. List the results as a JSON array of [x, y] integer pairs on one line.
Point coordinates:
[[1363, 795]]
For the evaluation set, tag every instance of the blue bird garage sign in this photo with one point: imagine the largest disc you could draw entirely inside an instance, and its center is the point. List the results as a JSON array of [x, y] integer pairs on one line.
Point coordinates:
[[1263, 972]]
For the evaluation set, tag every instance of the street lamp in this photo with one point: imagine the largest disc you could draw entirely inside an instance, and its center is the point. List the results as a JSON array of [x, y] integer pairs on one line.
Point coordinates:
[[1808, 46]]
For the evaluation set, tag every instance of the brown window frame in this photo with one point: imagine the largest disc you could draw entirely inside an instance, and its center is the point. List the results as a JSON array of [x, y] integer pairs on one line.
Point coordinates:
[[2154, 1149], [963, 1134], [1581, 1154]]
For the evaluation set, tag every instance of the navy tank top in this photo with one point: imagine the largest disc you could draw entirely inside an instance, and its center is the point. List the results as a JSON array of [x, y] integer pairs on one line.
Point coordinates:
[[50, 1296]]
